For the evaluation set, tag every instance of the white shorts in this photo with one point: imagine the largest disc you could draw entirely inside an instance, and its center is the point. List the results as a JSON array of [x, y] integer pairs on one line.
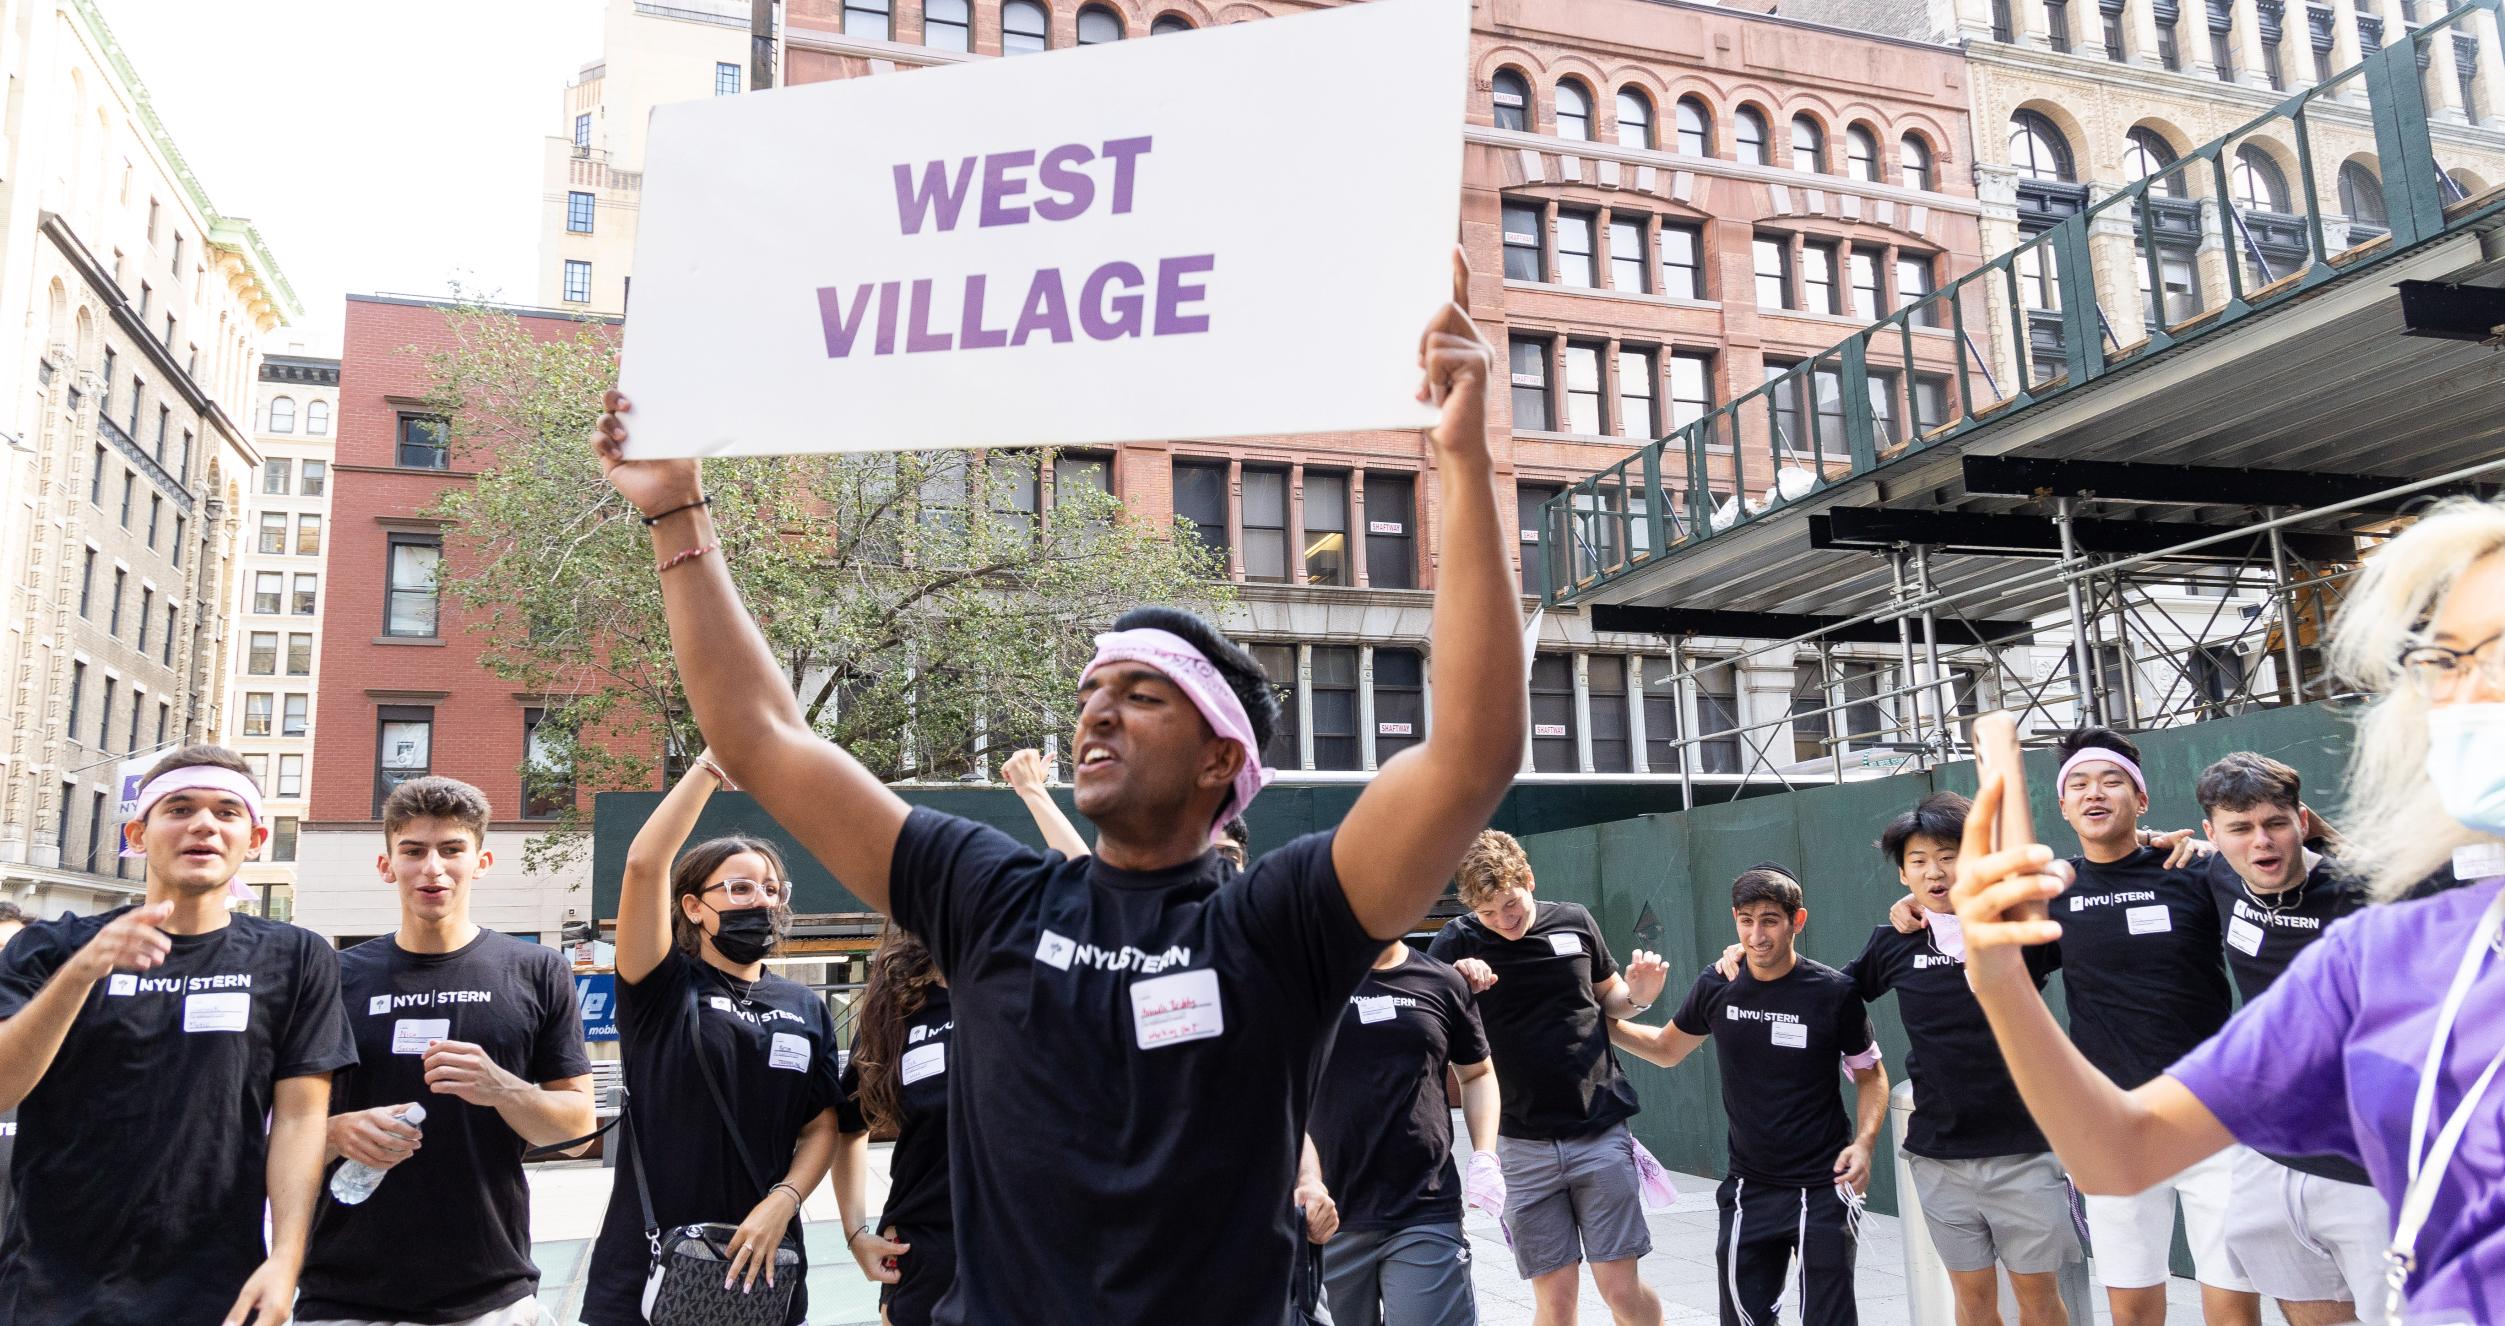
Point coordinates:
[[2302, 1238], [2133, 1237], [525, 1313]]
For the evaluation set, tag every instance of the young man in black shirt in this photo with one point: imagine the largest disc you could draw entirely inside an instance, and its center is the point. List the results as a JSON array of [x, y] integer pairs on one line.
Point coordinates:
[[483, 1031], [1548, 991], [1799, 1166], [174, 1062], [1159, 1022], [2308, 1231]]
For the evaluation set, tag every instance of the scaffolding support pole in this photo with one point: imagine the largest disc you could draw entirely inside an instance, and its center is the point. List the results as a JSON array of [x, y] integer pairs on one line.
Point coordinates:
[[2130, 667], [1688, 749], [2082, 660], [1905, 656], [2286, 594], [1943, 695], [1827, 690]]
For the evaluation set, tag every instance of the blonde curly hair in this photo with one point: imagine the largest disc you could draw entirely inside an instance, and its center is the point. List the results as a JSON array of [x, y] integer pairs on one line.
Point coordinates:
[[1494, 863]]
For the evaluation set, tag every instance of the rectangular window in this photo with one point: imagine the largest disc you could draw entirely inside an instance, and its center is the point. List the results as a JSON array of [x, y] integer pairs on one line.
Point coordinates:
[[1682, 262], [138, 703], [547, 777], [1200, 497], [2057, 24], [1399, 699], [1265, 525], [1524, 260], [179, 523], [1605, 678], [1865, 714], [257, 710], [78, 689], [1627, 264], [1278, 664], [156, 512], [130, 490], [1788, 433], [113, 619], [578, 212], [1335, 707], [1913, 281], [582, 133], [1930, 402], [726, 74], [136, 388], [1583, 389], [2222, 54], [276, 475], [577, 281], [99, 860], [169, 634], [1576, 250], [1552, 714], [1326, 529], [1868, 302], [1013, 489], [87, 584], [315, 475], [2168, 54], [2113, 32], [947, 25], [147, 610], [411, 593], [306, 583], [1817, 278], [1691, 388], [165, 416], [273, 533], [1078, 478], [95, 480], [299, 654], [867, 18], [165, 722], [1528, 360], [1531, 513], [1812, 729], [308, 536], [283, 838], [1635, 395], [425, 443], [1661, 715], [265, 591], [261, 660], [1391, 539], [1717, 718], [403, 748], [1883, 398], [1774, 271]]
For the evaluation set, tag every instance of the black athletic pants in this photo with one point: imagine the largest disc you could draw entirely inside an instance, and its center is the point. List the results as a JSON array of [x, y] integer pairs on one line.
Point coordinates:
[[1762, 1224]]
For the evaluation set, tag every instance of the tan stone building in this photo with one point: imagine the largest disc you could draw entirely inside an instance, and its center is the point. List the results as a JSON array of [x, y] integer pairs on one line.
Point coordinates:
[[131, 314]]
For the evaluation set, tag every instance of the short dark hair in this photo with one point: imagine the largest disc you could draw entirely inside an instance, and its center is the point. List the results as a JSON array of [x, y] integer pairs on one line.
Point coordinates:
[[1243, 676], [1235, 832], [2098, 738], [10, 911], [438, 798], [2244, 780], [215, 756], [1940, 817], [1766, 882]]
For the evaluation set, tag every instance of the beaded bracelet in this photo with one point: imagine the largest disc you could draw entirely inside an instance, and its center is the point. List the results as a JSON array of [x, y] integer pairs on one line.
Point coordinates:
[[690, 555]]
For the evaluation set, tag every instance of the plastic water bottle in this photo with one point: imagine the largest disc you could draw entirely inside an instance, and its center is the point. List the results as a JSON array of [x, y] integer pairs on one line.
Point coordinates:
[[355, 1181]]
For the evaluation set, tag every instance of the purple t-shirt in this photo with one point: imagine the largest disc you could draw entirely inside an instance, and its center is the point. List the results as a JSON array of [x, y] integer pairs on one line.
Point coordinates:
[[2327, 1063]]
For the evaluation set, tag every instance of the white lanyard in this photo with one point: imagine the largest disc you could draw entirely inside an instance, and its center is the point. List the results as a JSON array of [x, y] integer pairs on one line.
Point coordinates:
[[2426, 1173]]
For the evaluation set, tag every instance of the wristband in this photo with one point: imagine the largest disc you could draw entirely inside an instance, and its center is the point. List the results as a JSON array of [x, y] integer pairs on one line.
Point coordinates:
[[855, 1236], [785, 1187], [689, 555], [650, 521]]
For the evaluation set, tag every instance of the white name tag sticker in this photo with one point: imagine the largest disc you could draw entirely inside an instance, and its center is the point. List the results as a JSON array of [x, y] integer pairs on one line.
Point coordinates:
[[410, 1035], [1791, 1035], [1374, 1010], [1169, 1010], [722, 1002], [791, 1052], [923, 1061], [227, 1011], [2152, 919], [1566, 945], [2244, 936]]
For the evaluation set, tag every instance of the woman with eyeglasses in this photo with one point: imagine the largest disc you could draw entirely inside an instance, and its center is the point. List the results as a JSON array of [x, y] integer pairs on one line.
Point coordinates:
[[697, 1011], [2383, 1042]]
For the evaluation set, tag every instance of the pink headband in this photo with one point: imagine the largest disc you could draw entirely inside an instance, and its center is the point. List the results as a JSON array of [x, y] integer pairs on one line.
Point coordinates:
[[1200, 679], [197, 778], [2100, 755]]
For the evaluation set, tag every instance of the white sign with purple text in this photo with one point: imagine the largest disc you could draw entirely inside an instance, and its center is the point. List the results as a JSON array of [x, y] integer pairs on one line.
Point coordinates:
[[1229, 232]]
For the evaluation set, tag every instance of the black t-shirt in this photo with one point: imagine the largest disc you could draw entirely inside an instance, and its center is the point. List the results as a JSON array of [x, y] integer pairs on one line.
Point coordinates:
[[142, 1156], [1965, 1105], [1154, 1038], [447, 1236], [2141, 964], [1382, 1124], [772, 1047], [917, 1172], [1781, 1044], [2263, 940], [1554, 1066]]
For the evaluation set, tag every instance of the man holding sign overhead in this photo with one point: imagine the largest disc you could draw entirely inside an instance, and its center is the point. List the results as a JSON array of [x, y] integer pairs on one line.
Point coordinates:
[[1140, 1030]]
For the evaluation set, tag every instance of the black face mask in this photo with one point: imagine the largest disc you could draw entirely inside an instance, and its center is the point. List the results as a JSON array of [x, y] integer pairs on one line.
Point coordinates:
[[746, 935]]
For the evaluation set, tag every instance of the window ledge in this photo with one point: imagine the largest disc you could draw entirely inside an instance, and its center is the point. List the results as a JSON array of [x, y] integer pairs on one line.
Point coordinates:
[[427, 641], [1602, 292]]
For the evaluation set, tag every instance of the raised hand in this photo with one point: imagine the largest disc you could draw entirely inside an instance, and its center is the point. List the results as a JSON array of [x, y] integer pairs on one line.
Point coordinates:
[[372, 1137], [654, 486], [1990, 884], [1024, 772], [2182, 847], [1729, 963], [1646, 973], [1479, 975], [131, 943], [1457, 362]]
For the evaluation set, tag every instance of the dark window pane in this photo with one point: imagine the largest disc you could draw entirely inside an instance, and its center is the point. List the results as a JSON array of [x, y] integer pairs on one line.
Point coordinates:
[[1391, 540], [1278, 663], [1335, 707], [1552, 714], [1399, 699], [1605, 677], [1200, 497], [1326, 529]]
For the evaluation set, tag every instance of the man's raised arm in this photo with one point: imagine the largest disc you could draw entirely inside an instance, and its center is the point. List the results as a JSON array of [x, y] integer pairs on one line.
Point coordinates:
[[845, 817], [1402, 840]]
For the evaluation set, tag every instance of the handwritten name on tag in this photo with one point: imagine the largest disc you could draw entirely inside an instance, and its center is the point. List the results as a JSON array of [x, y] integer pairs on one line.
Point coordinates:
[[1169, 1010]]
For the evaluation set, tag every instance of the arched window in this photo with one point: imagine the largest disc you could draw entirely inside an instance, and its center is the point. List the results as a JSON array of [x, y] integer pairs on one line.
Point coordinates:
[[1695, 128], [1574, 111], [1635, 118], [1913, 156], [1861, 154], [1512, 98], [1023, 27], [2255, 183], [2037, 149], [1809, 145], [2146, 153], [317, 418], [1751, 133], [282, 414], [2361, 195], [1098, 26], [1169, 23]]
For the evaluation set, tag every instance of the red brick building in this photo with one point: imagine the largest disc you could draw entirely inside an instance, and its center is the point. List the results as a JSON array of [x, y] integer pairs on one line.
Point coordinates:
[[402, 691]]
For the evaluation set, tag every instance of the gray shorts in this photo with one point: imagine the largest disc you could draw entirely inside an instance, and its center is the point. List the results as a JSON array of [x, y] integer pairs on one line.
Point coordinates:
[[2012, 1211], [1417, 1276], [1573, 1200], [2303, 1238]]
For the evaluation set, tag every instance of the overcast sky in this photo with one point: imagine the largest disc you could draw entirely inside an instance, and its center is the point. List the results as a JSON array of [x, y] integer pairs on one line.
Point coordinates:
[[378, 147]]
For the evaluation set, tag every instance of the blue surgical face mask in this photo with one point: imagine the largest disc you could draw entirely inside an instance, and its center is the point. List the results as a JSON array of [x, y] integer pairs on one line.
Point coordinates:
[[2466, 761]]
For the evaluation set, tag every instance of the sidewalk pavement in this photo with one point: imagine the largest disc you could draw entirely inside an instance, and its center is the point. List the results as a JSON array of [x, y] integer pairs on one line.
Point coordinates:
[[567, 1201]]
